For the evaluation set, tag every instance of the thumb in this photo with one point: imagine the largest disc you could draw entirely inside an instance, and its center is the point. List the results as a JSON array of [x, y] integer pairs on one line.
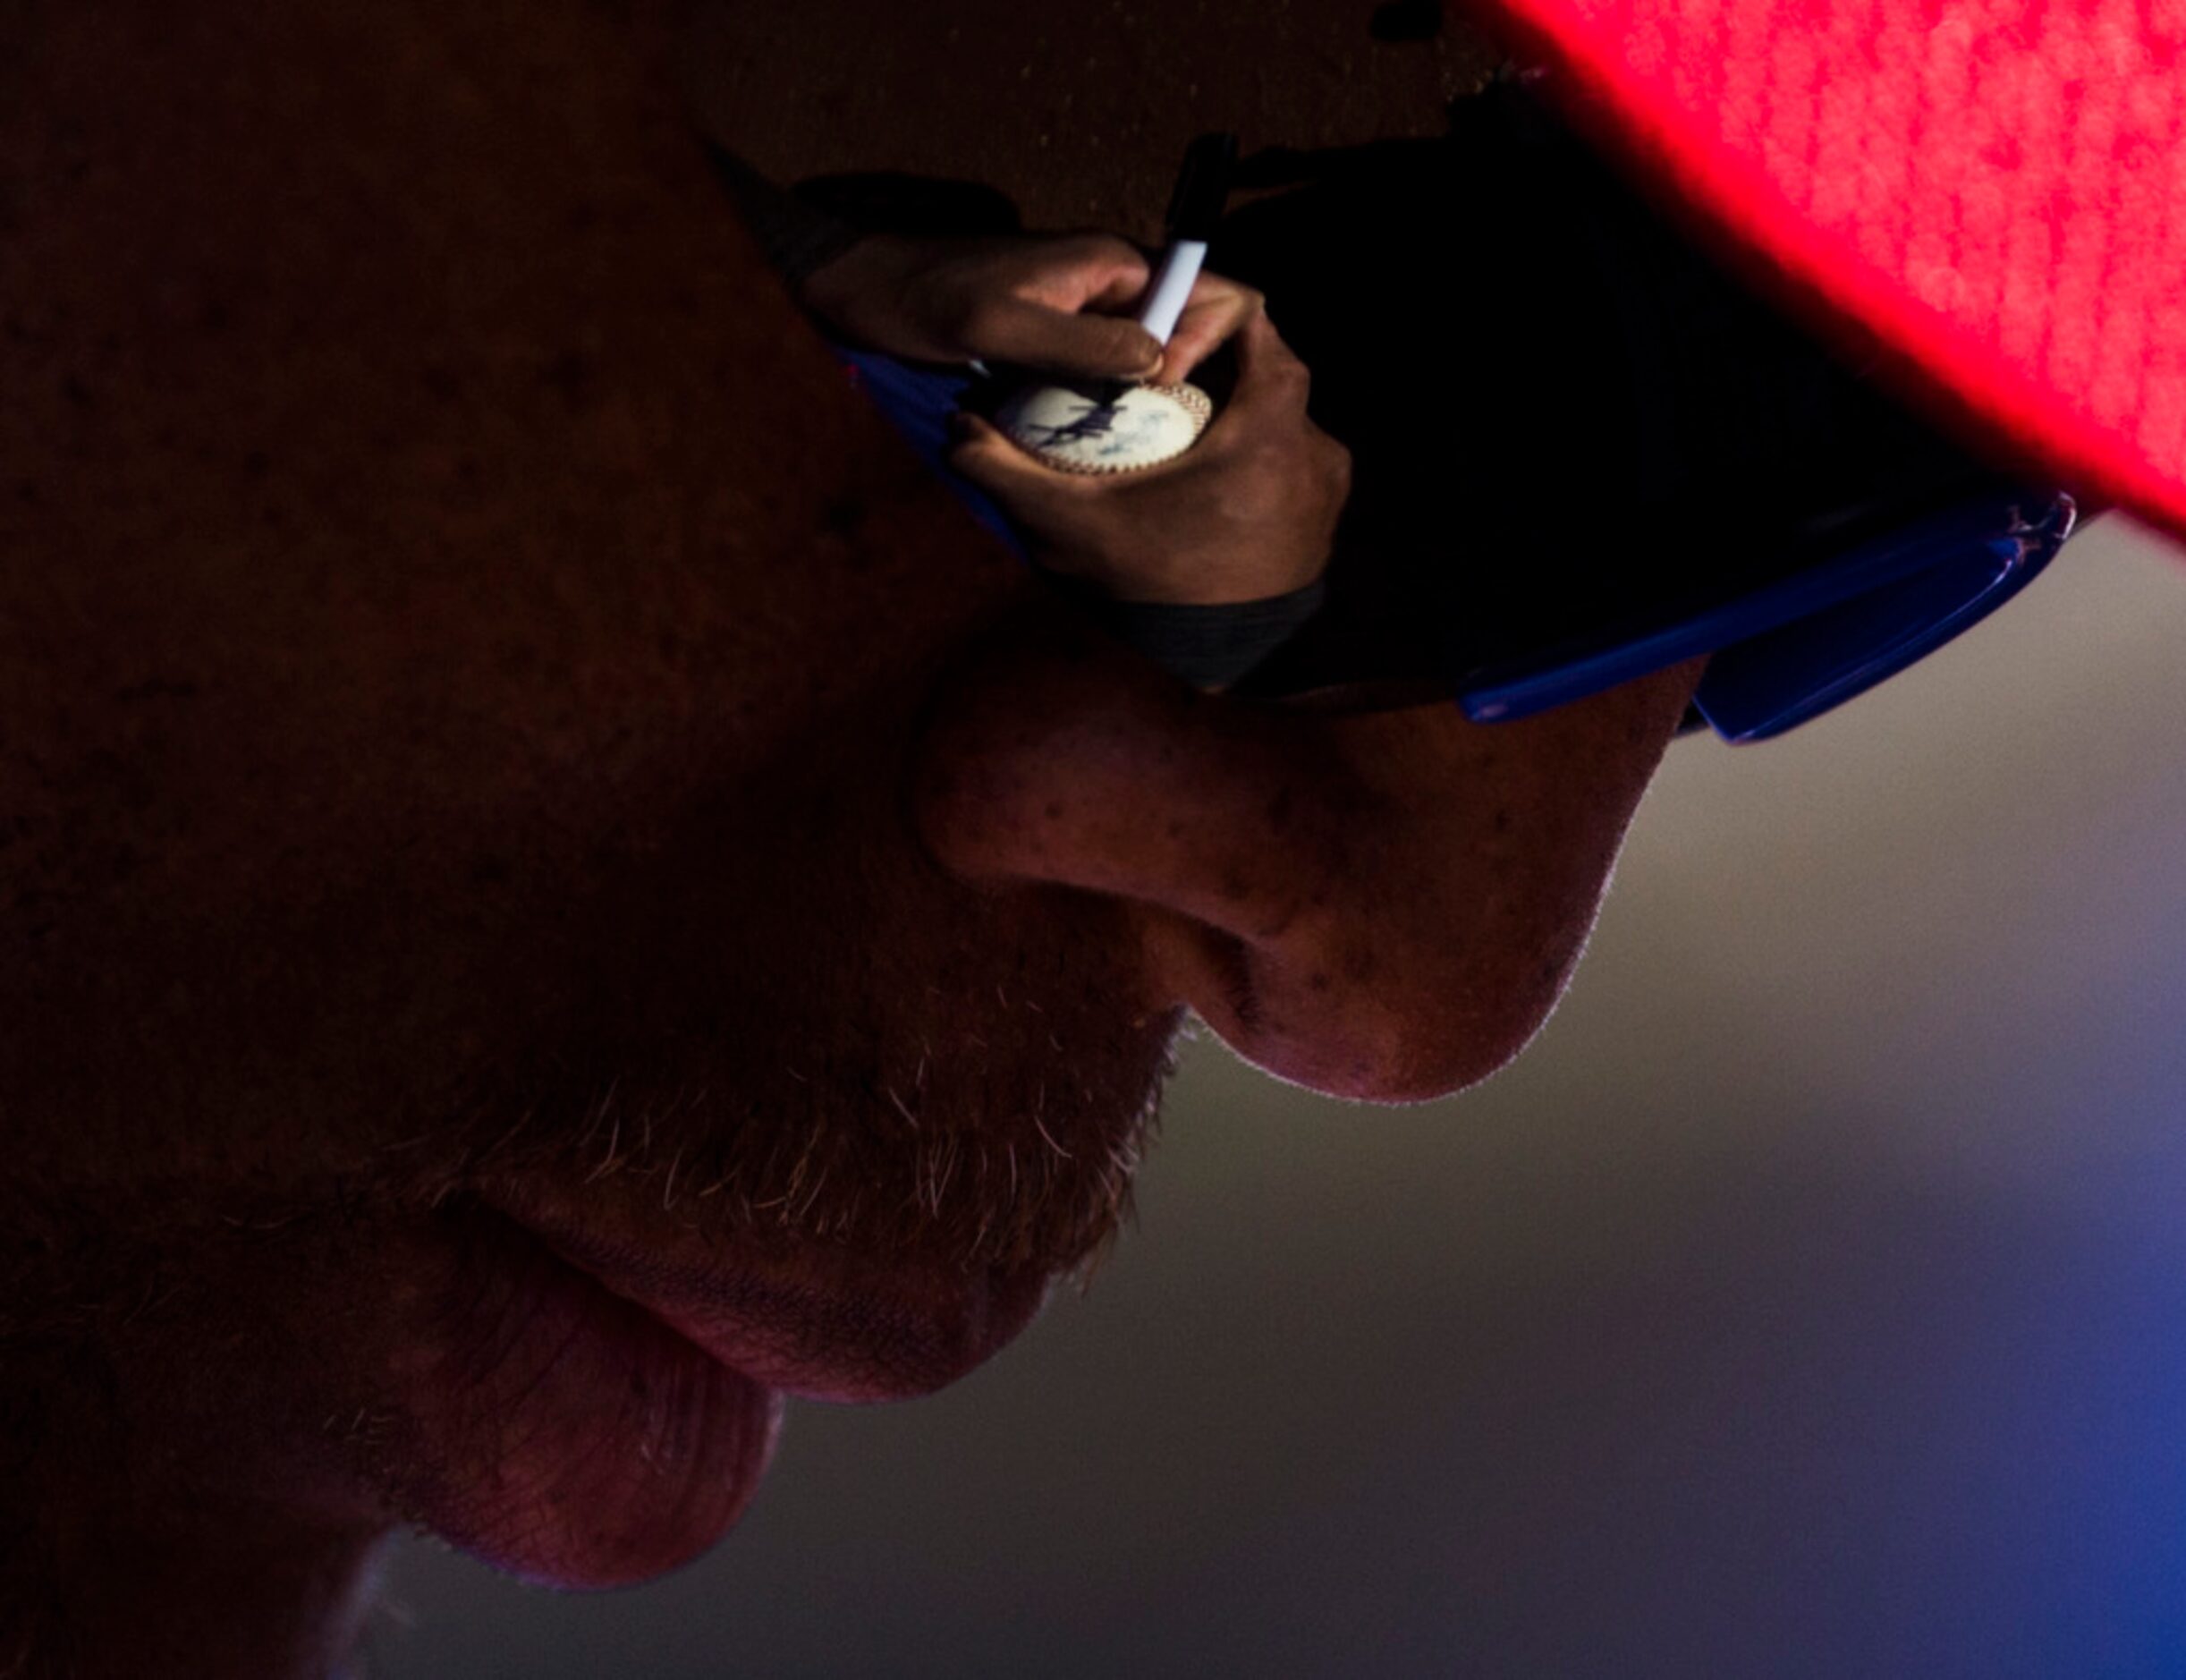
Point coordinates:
[[1092, 346], [988, 459]]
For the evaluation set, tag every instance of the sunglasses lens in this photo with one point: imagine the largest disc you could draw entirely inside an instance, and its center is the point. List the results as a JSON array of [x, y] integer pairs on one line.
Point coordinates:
[[1773, 683]]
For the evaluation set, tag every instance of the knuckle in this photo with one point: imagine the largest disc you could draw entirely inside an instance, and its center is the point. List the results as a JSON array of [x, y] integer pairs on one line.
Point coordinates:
[[1335, 461], [1288, 378], [1113, 332], [974, 315]]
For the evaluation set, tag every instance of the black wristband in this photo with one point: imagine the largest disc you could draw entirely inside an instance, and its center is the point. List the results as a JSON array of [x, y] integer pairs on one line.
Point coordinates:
[[1209, 647]]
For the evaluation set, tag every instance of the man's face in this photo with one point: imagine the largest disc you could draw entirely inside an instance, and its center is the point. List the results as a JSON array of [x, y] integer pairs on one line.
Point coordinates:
[[566, 892]]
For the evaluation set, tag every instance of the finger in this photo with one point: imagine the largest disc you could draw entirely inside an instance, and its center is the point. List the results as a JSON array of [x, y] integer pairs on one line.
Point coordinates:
[[1095, 271], [1217, 309], [1271, 381], [1035, 335], [1005, 471]]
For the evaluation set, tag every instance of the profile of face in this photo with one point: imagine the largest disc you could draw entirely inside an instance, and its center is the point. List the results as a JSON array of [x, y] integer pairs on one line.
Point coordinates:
[[558, 889]]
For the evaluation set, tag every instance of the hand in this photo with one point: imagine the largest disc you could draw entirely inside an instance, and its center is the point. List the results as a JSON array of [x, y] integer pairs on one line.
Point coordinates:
[[1247, 512], [1218, 309], [1052, 303]]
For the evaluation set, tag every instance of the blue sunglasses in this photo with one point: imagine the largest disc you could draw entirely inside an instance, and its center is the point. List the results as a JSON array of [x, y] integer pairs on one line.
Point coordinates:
[[1786, 654], [1839, 617], [1900, 542]]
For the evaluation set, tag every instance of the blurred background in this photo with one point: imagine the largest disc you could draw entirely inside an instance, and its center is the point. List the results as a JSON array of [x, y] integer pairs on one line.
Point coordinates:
[[1810, 1299]]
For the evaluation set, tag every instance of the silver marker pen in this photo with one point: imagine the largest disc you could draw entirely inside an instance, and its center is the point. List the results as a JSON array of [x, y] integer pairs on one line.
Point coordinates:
[[1195, 208]]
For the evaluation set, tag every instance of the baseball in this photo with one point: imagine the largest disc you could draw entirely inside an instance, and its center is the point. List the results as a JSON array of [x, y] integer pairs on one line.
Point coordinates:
[[1076, 429]]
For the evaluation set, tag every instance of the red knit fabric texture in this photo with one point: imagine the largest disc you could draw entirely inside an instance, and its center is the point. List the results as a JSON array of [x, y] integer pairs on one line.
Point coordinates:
[[1990, 194]]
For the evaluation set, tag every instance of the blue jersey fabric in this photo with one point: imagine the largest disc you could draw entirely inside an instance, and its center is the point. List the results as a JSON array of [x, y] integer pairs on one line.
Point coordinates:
[[919, 401]]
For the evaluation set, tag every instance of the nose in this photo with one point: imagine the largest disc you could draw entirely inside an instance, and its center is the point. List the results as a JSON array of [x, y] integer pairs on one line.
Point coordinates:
[[1384, 907]]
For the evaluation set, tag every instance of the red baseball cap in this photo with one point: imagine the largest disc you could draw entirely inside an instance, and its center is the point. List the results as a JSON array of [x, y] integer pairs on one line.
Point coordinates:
[[1987, 196]]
